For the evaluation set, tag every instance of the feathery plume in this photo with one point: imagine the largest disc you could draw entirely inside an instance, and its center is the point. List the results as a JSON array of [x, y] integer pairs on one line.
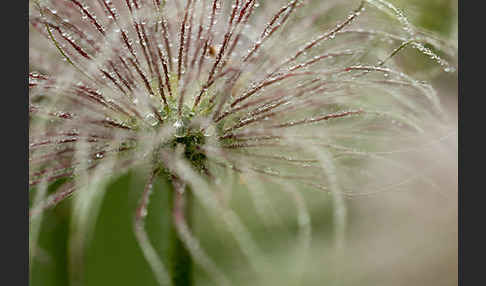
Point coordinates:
[[201, 91]]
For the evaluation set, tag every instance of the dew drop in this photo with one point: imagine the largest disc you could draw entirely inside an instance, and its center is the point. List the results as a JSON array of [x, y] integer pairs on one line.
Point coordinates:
[[449, 69], [180, 128], [99, 155], [210, 131], [151, 119]]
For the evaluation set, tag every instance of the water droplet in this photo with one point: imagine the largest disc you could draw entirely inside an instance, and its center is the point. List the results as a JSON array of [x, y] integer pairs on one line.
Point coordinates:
[[449, 69], [151, 119], [99, 155], [180, 128], [210, 131]]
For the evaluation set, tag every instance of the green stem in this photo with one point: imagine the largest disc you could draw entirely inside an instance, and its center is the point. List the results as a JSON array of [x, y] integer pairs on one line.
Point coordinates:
[[180, 260]]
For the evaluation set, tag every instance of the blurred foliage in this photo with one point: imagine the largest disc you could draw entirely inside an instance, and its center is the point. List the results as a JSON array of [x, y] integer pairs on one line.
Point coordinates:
[[439, 16]]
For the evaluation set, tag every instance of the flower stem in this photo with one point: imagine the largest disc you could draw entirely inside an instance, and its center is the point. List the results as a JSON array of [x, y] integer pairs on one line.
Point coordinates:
[[180, 260]]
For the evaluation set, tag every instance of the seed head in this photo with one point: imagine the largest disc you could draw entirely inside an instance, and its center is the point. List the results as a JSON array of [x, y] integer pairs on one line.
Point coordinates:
[[210, 90]]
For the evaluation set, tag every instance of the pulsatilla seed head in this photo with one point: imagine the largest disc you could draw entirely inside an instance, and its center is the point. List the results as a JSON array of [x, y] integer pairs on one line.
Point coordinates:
[[206, 91], [210, 90], [244, 88]]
